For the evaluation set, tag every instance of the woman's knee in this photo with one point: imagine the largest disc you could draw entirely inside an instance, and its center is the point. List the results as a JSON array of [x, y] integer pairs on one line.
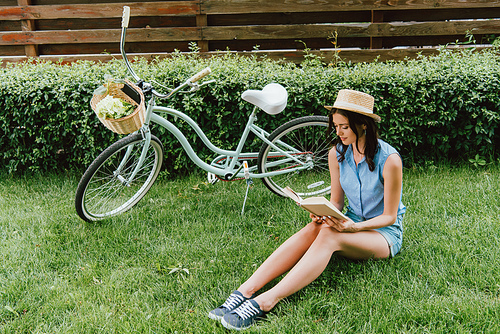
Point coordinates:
[[329, 237], [313, 227], [362, 245], [322, 234]]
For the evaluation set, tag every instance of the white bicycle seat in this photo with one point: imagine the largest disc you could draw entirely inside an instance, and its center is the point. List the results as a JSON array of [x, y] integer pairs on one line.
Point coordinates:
[[272, 98]]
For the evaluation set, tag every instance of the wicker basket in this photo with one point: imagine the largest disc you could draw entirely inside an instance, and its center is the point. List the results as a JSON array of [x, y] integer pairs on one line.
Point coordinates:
[[127, 124]]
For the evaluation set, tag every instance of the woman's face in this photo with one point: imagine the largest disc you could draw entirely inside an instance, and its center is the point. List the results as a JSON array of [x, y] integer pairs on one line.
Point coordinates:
[[343, 130]]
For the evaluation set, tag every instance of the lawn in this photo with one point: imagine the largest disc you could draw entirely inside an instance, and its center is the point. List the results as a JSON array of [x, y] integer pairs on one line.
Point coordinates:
[[162, 266]]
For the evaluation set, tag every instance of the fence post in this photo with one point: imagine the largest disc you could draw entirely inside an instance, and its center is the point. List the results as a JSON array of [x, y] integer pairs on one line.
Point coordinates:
[[377, 17], [28, 25], [201, 22]]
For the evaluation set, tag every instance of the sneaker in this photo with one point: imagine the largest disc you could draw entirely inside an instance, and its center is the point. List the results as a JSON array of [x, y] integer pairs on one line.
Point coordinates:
[[244, 316], [231, 303]]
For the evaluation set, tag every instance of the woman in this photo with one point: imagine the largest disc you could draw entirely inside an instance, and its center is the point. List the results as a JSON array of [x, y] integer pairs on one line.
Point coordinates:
[[368, 172]]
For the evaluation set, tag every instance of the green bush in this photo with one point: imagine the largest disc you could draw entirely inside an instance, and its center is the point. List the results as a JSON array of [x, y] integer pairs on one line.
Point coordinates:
[[438, 108]]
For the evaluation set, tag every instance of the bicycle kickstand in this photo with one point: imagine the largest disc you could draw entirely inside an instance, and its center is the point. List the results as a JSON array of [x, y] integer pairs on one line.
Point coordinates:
[[249, 183]]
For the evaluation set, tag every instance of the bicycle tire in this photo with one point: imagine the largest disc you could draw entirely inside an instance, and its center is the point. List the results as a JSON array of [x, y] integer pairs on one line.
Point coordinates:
[[308, 136], [102, 194]]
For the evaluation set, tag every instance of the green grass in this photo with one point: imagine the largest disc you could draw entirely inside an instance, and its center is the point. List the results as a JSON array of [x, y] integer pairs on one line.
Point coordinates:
[[61, 275]]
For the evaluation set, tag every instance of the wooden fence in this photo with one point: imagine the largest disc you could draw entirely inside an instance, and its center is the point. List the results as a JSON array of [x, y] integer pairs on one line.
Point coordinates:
[[355, 30]]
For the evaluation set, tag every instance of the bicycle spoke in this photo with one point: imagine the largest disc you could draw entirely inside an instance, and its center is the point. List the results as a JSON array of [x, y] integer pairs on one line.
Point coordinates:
[[304, 139], [108, 189]]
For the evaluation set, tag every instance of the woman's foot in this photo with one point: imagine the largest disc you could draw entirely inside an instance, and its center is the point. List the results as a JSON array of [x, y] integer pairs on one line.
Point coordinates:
[[232, 302], [244, 316]]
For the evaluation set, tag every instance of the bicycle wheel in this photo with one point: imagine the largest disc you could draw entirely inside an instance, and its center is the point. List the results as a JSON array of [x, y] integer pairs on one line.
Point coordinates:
[[102, 191], [304, 138]]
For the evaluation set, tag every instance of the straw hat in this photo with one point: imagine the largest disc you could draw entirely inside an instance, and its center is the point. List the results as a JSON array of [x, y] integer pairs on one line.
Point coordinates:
[[355, 101]]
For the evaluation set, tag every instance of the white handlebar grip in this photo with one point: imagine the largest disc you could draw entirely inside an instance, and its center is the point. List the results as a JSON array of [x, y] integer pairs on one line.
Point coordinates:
[[125, 16], [200, 74]]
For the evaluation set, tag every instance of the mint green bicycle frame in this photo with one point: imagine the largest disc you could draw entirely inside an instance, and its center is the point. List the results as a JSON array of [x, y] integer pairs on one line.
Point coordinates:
[[231, 157]]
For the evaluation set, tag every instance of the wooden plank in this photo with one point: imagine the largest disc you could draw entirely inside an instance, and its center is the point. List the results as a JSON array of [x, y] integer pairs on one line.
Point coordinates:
[[284, 31], [276, 6], [352, 30], [44, 12], [289, 44], [441, 14], [343, 43], [436, 28], [8, 3], [12, 50], [10, 25], [115, 23], [76, 2], [100, 36], [419, 41], [289, 18], [93, 48], [354, 56]]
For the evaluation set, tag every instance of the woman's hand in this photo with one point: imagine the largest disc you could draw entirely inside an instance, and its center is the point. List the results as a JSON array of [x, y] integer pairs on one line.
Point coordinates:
[[316, 219], [340, 225]]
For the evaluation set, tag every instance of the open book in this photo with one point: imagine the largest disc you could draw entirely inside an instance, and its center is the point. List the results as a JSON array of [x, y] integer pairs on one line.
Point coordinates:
[[318, 206]]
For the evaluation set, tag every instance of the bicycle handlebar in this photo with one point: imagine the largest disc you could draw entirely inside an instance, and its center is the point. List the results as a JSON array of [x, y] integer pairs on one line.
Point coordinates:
[[125, 16], [190, 82], [199, 75]]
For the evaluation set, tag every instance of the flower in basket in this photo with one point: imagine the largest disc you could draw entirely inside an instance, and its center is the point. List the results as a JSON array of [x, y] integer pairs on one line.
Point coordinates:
[[112, 107]]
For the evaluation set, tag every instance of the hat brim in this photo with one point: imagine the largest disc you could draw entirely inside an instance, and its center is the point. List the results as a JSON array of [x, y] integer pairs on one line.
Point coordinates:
[[369, 114]]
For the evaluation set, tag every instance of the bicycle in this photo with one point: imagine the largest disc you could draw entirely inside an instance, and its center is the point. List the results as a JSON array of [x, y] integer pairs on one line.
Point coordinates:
[[295, 154]]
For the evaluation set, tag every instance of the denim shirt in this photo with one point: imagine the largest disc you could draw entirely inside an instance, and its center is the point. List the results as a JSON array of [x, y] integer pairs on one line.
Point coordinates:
[[365, 189]]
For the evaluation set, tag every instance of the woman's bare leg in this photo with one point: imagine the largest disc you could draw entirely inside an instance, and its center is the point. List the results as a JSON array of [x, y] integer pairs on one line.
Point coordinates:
[[360, 245], [282, 259]]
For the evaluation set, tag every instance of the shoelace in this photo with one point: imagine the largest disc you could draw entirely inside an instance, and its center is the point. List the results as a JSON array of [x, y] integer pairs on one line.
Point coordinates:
[[247, 310], [232, 301]]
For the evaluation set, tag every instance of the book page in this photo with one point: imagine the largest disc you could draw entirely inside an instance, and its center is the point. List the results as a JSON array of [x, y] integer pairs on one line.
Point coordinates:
[[318, 206], [292, 194]]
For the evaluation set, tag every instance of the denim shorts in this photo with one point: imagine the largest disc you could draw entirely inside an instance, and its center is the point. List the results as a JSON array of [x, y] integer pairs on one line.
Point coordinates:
[[393, 233]]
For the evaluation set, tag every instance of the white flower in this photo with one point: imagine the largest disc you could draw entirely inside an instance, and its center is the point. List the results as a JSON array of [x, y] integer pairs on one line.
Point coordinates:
[[111, 107]]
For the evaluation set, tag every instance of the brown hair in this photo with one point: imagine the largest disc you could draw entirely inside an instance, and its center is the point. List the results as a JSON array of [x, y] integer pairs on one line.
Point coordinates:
[[355, 120]]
